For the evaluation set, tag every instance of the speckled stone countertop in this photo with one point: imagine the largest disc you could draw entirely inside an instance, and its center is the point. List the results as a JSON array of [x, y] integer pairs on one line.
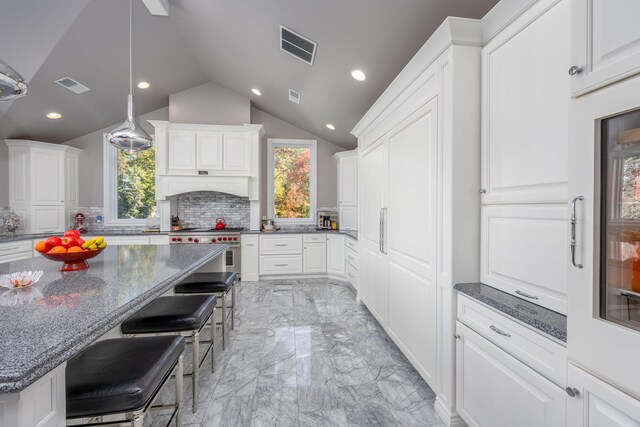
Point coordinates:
[[64, 312], [351, 233], [19, 237], [542, 319]]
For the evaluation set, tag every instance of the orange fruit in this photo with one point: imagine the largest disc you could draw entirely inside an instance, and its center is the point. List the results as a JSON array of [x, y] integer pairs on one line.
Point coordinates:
[[41, 246], [74, 249], [58, 250]]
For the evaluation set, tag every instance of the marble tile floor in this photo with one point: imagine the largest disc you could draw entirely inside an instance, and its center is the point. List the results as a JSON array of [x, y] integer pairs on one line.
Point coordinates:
[[304, 353]]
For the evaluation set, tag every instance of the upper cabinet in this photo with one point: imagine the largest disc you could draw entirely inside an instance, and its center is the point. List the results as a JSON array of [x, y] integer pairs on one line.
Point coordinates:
[[605, 43], [525, 114], [208, 151], [348, 189], [236, 152]]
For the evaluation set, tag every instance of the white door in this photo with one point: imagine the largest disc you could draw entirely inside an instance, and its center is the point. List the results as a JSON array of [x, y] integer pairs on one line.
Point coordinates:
[[348, 180], [314, 257], [47, 174], [47, 219], [250, 257], [525, 91], [412, 201], [181, 152], [237, 152], [335, 255], [71, 180], [609, 348], [494, 389], [209, 151], [597, 404], [373, 263], [348, 217], [605, 42]]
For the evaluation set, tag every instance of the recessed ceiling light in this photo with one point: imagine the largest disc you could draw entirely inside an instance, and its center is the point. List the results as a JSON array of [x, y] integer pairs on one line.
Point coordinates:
[[330, 126], [358, 75], [256, 91], [143, 85], [54, 115]]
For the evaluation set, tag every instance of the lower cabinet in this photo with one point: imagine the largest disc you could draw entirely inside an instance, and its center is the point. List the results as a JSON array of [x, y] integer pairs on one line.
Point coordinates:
[[15, 251], [47, 219], [494, 389], [335, 255], [280, 264], [598, 404], [348, 217], [250, 256], [314, 257]]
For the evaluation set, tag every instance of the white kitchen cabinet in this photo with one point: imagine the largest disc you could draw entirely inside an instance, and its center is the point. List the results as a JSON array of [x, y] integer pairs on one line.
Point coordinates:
[[524, 252], [314, 258], [159, 240], [598, 404], [43, 184], [335, 255], [15, 251], [352, 275], [281, 244], [494, 389], [348, 217], [347, 162], [280, 264], [237, 152], [605, 42], [525, 114], [208, 151], [250, 256], [181, 152]]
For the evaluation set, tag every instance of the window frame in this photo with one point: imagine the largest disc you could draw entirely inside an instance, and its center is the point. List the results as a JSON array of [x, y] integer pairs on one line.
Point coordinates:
[[110, 191], [312, 144]]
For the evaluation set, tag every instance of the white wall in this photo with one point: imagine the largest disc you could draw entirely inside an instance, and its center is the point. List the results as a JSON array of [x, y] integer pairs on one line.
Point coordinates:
[[91, 164], [209, 103], [327, 166]]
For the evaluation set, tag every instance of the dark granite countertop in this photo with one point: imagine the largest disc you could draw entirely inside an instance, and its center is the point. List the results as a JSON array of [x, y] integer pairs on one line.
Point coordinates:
[[64, 312], [542, 319], [19, 237], [351, 233]]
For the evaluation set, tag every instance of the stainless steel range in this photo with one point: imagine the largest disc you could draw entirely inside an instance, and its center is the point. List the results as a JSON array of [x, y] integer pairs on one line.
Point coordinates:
[[200, 236]]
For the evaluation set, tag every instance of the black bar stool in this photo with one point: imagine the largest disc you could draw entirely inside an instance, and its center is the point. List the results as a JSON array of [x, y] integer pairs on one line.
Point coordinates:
[[177, 316], [219, 284], [121, 377]]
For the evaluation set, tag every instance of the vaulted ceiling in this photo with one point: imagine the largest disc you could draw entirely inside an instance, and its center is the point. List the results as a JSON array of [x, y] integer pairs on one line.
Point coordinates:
[[230, 42]]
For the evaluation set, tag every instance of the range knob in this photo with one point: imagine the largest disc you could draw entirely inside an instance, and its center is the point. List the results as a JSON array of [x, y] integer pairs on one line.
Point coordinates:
[[179, 239], [213, 240], [190, 239], [196, 240], [219, 239], [235, 238]]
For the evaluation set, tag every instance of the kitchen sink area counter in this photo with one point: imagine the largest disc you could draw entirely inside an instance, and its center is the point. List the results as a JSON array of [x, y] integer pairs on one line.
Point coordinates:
[[57, 317]]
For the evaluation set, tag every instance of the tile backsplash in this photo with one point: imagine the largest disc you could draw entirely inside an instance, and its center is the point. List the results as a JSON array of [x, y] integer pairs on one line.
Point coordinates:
[[201, 208]]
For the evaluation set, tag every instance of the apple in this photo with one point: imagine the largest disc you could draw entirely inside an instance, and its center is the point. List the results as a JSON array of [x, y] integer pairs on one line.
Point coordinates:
[[67, 242], [53, 241], [80, 241], [72, 233]]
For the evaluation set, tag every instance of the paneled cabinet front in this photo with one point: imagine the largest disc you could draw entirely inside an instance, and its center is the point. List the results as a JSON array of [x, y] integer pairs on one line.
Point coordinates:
[[525, 110], [314, 257], [181, 153], [605, 43], [48, 177], [208, 151]]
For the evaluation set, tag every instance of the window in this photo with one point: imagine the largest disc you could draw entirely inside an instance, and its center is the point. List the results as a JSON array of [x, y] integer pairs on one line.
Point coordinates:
[[291, 180], [130, 188]]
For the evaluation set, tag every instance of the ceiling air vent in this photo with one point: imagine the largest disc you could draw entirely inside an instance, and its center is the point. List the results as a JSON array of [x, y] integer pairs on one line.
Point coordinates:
[[297, 45], [294, 96], [72, 85]]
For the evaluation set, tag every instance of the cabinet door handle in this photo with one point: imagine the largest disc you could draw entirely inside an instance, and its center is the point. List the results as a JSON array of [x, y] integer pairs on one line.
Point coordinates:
[[574, 242], [380, 231], [281, 244], [249, 244], [572, 392], [499, 332], [483, 191], [281, 265], [575, 70], [519, 292]]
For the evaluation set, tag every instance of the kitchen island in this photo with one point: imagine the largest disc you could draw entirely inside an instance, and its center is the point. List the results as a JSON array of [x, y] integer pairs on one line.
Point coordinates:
[[47, 324]]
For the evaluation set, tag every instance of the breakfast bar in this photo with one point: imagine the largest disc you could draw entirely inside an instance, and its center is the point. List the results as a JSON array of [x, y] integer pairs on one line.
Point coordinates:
[[44, 325]]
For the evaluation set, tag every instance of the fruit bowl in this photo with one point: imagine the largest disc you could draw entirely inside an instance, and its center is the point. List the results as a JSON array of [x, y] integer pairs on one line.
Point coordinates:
[[73, 261]]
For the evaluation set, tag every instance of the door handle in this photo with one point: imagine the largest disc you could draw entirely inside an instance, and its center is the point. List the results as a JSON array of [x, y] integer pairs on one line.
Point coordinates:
[[380, 232], [574, 242], [384, 231]]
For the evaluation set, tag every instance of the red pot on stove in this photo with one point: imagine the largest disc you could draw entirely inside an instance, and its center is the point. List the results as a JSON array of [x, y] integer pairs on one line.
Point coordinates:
[[220, 223]]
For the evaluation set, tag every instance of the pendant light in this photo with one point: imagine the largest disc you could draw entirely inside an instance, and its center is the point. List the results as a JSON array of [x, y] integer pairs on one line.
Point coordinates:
[[12, 85], [128, 136]]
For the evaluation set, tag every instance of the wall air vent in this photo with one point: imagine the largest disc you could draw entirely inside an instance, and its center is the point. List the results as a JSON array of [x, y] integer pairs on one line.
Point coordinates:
[[297, 45], [294, 96], [72, 85]]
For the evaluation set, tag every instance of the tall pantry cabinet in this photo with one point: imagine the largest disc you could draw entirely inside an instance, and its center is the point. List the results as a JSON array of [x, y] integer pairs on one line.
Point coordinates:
[[419, 152], [43, 184]]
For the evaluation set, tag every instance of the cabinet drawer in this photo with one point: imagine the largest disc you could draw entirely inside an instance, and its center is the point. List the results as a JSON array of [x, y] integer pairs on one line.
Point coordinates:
[[352, 275], [281, 244], [314, 238], [284, 264], [14, 247], [351, 257], [351, 244], [533, 349]]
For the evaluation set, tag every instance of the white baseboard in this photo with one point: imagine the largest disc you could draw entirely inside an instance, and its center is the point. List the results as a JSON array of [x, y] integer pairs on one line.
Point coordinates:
[[451, 419]]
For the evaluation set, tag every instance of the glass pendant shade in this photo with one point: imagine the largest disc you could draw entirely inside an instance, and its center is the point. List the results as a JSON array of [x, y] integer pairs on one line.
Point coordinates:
[[128, 136], [12, 85]]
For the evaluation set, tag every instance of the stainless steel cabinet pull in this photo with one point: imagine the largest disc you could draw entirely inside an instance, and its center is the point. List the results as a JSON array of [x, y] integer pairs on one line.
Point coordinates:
[[384, 237], [457, 337], [526, 295], [499, 332], [575, 70], [572, 392], [380, 231], [574, 243], [281, 265], [281, 244], [249, 244], [483, 191]]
